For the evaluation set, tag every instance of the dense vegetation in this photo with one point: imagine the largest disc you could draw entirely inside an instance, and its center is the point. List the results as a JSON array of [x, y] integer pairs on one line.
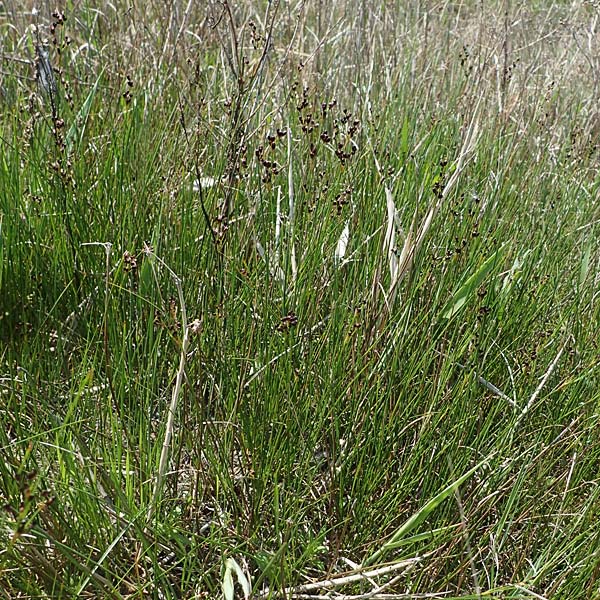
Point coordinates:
[[299, 299]]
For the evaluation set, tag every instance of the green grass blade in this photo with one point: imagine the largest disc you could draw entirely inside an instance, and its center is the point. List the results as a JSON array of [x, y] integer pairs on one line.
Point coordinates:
[[1, 252], [585, 262], [470, 286], [416, 519], [77, 129], [419, 537]]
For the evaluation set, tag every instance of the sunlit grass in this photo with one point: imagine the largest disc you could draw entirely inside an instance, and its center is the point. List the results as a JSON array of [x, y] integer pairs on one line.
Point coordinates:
[[388, 271]]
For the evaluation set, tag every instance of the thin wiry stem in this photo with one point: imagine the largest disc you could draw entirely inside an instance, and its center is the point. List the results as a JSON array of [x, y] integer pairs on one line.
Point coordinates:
[[172, 411]]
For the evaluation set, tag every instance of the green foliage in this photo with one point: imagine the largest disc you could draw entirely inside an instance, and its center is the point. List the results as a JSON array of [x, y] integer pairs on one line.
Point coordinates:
[[428, 394]]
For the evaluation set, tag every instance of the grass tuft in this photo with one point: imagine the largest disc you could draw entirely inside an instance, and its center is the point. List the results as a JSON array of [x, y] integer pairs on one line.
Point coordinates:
[[299, 300]]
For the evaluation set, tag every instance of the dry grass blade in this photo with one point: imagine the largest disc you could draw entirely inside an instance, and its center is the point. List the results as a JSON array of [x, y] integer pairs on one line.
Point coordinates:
[[342, 245], [389, 242], [291, 213], [541, 385], [172, 411], [44, 71], [411, 246], [342, 580], [400, 263], [373, 595]]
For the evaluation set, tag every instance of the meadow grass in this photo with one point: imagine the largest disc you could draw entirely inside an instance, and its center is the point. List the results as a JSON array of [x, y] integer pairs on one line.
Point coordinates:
[[300, 300]]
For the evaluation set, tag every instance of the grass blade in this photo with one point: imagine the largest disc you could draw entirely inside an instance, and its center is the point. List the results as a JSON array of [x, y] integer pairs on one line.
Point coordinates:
[[77, 129], [416, 519], [470, 286]]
